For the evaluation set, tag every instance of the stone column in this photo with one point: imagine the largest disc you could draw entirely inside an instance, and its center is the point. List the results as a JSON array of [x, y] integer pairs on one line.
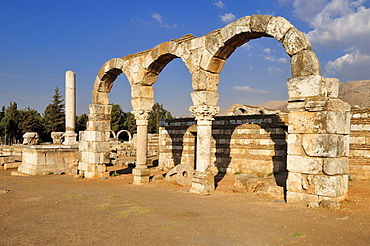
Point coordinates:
[[141, 172], [70, 123], [203, 180], [318, 141]]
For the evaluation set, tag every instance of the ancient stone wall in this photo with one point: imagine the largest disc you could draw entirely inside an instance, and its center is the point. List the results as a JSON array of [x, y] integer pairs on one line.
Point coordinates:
[[359, 152], [251, 144]]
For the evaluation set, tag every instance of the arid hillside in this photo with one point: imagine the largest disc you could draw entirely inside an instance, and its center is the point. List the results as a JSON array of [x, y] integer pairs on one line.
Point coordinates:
[[352, 92]]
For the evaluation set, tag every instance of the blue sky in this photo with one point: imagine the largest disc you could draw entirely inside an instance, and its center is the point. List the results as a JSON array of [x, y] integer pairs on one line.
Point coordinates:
[[40, 40]]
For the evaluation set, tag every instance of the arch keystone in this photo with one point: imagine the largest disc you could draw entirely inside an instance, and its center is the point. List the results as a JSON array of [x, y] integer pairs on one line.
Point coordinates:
[[259, 23]]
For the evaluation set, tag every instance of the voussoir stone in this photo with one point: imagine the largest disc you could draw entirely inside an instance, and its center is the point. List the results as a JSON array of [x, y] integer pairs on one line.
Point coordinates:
[[305, 63]]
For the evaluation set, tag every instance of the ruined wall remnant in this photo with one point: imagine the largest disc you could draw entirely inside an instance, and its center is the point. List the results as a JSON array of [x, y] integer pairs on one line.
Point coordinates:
[[359, 143]]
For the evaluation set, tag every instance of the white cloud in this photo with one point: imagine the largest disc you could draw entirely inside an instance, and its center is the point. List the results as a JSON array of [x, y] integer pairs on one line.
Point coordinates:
[[283, 60], [339, 25], [267, 51], [218, 3], [227, 18], [249, 89], [272, 69], [159, 17], [352, 66]]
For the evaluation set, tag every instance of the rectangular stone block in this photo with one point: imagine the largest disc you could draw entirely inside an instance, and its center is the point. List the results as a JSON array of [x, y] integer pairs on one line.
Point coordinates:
[[325, 145], [103, 125], [330, 186], [95, 136], [308, 86], [138, 91], [301, 197], [335, 166], [307, 165], [295, 144]]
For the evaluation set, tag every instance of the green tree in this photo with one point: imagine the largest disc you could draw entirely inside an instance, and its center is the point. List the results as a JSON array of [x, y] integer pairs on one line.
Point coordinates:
[[54, 116], [130, 123], [117, 118], [81, 122], [9, 125], [29, 120], [157, 113]]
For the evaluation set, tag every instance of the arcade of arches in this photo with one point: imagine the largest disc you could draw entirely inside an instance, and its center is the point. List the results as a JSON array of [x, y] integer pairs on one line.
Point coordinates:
[[319, 122]]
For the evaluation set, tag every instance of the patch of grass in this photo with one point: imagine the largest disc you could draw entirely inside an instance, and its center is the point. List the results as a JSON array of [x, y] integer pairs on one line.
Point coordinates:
[[172, 225], [299, 235], [50, 173], [114, 174], [237, 173]]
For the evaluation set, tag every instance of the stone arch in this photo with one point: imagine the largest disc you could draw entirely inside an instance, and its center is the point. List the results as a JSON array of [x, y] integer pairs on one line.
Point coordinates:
[[319, 121]]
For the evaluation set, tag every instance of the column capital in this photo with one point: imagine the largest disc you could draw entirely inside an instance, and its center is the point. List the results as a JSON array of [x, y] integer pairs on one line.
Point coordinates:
[[141, 116], [204, 112]]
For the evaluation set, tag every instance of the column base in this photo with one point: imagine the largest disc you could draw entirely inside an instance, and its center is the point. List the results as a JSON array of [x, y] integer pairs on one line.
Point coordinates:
[[70, 139], [202, 183], [141, 176]]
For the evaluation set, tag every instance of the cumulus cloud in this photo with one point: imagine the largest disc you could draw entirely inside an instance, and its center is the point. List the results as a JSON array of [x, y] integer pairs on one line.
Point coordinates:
[[339, 25], [227, 18], [159, 19], [272, 69], [249, 89], [218, 3]]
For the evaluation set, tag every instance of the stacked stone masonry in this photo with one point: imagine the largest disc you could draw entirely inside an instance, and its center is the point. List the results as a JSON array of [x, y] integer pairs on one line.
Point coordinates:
[[250, 144]]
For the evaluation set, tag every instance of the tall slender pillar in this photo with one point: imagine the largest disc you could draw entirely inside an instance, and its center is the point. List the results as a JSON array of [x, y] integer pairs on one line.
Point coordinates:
[[141, 172], [203, 180], [70, 123]]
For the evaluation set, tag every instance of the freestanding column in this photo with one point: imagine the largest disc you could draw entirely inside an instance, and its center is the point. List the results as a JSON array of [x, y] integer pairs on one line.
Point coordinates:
[[70, 134], [203, 180], [141, 172]]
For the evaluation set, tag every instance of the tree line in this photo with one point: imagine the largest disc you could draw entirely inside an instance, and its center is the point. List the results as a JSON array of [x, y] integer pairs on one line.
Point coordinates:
[[15, 122]]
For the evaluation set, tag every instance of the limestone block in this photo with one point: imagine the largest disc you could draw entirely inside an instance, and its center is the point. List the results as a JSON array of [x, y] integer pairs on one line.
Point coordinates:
[[295, 144], [100, 97], [205, 59], [294, 182], [301, 197], [138, 91], [259, 23], [305, 63], [325, 145], [196, 43], [330, 186], [183, 52], [94, 136], [205, 81], [204, 98], [102, 126], [302, 164], [338, 122], [182, 174], [336, 166], [308, 86], [243, 25], [332, 85], [295, 41], [144, 104], [213, 42], [228, 32], [335, 104], [278, 27]]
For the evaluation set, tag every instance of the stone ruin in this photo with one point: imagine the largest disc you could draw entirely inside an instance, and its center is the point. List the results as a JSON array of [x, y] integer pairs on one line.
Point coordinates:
[[319, 123]]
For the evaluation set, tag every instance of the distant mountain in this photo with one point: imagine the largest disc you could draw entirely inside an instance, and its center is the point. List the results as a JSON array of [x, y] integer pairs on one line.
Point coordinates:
[[352, 92]]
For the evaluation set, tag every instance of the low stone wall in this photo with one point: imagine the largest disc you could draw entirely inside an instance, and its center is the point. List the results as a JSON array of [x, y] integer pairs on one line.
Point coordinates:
[[246, 143], [359, 149]]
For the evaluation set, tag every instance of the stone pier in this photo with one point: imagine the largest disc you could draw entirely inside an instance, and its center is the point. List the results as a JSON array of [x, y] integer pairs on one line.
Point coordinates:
[[70, 123]]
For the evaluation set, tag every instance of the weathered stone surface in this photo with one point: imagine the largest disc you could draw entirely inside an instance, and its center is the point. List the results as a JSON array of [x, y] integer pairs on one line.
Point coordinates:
[[272, 191], [325, 145], [332, 85], [30, 138], [141, 176], [228, 32], [57, 137], [142, 104], [295, 41], [100, 97], [259, 23], [203, 183], [328, 204], [295, 144], [304, 63], [308, 86], [335, 166], [307, 165], [205, 81], [204, 98], [278, 27], [138, 91], [301, 197], [330, 186], [182, 174], [243, 25]]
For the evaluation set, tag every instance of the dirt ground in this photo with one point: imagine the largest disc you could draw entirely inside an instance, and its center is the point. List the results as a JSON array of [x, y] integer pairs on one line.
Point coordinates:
[[60, 210]]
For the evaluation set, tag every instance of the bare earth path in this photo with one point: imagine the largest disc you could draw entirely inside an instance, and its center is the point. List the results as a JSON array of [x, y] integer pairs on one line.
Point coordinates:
[[60, 210]]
